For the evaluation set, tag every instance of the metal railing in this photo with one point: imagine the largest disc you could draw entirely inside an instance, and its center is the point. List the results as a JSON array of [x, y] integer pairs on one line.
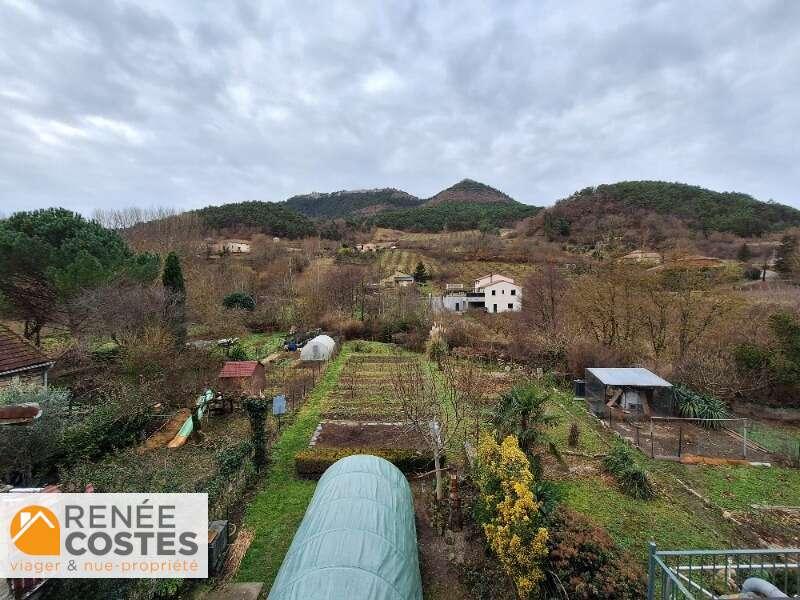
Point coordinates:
[[713, 574]]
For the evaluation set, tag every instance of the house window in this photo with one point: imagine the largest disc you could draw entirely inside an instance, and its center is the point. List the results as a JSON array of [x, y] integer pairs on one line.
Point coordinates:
[[502, 292], [510, 307], [495, 307], [494, 292], [513, 292], [457, 306]]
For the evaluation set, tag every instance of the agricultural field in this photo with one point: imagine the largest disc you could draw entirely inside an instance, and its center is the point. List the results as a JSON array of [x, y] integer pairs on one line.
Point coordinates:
[[719, 514], [452, 238], [405, 261], [364, 389], [468, 271]]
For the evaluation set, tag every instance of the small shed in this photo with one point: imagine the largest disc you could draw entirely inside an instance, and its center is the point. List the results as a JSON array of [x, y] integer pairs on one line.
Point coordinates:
[[635, 391], [246, 377], [318, 349], [357, 538]]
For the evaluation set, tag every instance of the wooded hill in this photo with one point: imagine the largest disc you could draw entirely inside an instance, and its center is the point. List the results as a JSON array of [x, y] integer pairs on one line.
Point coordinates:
[[270, 217], [470, 191], [455, 216], [669, 209], [468, 204], [698, 208], [350, 203]]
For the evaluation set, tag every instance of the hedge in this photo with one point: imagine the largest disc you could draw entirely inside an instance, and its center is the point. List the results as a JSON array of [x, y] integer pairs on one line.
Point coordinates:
[[312, 462]]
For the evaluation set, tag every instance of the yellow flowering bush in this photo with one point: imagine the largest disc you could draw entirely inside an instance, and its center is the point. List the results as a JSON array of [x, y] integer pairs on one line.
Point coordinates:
[[510, 513]]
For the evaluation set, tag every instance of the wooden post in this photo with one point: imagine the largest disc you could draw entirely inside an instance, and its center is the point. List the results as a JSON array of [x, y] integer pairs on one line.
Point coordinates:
[[652, 441], [680, 440], [744, 438], [455, 518]]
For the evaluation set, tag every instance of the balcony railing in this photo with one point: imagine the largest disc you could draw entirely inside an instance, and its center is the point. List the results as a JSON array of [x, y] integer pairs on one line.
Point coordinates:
[[715, 574]]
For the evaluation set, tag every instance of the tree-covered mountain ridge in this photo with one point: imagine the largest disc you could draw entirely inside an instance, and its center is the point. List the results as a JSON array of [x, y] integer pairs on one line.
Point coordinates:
[[699, 208]]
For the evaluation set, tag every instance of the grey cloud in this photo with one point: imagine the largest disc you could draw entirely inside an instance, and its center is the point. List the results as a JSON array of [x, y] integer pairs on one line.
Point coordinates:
[[190, 103]]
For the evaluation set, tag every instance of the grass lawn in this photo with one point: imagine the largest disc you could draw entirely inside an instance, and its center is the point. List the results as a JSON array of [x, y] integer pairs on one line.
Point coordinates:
[[276, 511], [782, 439], [674, 520], [737, 487]]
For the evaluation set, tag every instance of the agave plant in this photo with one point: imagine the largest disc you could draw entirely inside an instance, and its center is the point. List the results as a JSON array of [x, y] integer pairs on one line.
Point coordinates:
[[706, 408]]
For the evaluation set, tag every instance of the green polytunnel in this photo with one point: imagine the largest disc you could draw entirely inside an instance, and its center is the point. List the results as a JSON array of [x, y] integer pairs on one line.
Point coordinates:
[[357, 539]]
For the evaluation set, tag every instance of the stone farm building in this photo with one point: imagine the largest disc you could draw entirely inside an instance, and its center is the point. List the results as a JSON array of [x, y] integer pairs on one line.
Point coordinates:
[[228, 246], [398, 279], [493, 293], [642, 257], [21, 361]]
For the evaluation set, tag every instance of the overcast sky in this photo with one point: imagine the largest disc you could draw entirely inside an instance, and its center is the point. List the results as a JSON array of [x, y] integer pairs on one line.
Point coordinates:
[[185, 104]]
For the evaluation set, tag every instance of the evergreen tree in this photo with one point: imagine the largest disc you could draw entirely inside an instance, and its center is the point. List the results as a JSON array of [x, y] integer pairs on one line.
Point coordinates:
[[744, 253], [175, 299], [47, 257], [173, 275], [420, 274]]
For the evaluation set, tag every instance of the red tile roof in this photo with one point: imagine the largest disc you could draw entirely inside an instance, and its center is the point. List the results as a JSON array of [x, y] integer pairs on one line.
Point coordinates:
[[244, 368], [19, 413], [16, 353]]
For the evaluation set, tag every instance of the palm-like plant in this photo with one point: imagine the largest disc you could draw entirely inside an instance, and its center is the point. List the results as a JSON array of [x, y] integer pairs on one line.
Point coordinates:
[[522, 412]]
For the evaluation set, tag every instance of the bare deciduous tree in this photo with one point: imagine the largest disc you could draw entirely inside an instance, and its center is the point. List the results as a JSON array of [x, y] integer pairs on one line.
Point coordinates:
[[436, 404]]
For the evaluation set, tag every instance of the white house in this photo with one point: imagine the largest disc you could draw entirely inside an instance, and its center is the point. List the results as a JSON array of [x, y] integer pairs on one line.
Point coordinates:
[[492, 293]]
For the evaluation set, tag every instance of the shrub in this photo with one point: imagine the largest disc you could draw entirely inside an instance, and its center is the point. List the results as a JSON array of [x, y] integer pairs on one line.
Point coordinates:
[[239, 300], [509, 512], [108, 427], [28, 453], [233, 471], [588, 563], [257, 409], [574, 435], [312, 462], [631, 476], [237, 352], [696, 405], [752, 273], [436, 346]]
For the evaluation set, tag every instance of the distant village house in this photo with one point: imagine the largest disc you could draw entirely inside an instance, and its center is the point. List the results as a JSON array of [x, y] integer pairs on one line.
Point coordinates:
[[228, 247], [398, 279], [493, 293], [21, 361], [375, 246]]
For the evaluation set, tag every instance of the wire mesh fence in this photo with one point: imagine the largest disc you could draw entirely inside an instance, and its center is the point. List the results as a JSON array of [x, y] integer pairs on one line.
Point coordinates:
[[680, 437], [779, 440]]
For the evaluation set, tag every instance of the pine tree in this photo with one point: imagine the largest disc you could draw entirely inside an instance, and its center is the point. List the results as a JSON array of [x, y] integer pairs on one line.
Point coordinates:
[[173, 275], [175, 299], [420, 274]]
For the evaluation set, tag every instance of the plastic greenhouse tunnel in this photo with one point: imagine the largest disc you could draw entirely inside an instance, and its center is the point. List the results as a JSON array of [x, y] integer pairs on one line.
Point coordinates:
[[357, 539]]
